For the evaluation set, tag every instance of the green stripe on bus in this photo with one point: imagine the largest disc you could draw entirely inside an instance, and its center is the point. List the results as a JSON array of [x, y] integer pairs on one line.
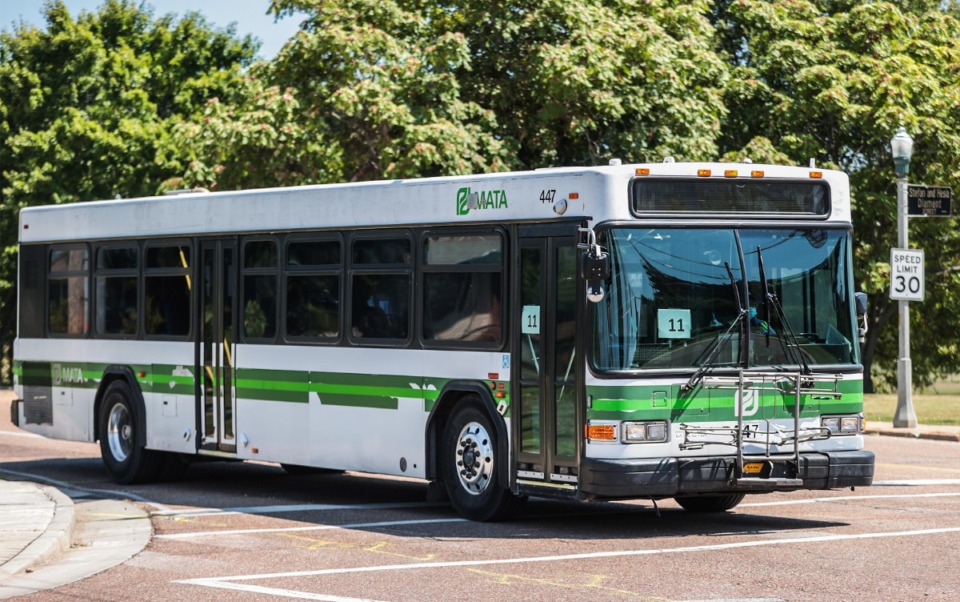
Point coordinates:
[[661, 402]]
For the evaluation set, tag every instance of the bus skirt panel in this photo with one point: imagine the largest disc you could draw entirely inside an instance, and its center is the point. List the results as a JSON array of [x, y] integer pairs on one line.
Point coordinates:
[[668, 477]]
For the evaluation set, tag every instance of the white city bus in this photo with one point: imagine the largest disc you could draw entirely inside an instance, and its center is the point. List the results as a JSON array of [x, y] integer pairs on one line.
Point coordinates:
[[669, 330]]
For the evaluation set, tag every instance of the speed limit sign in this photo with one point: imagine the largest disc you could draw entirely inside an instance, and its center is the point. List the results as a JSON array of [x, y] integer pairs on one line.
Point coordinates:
[[906, 274]]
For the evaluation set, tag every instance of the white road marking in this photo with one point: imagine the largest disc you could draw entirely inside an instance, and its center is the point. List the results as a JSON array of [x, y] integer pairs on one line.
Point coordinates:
[[393, 523], [18, 434], [286, 593], [846, 498], [229, 583], [194, 512], [916, 482]]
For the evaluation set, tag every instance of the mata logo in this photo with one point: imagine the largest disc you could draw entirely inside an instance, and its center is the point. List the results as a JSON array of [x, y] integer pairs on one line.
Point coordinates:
[[66, 375], [748, 403], [488, 199]]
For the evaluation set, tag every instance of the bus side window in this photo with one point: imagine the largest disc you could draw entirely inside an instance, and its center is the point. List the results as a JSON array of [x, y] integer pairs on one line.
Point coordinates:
[[167, 291], [68, 298], [462, 289], [381, 288], [260, 272]]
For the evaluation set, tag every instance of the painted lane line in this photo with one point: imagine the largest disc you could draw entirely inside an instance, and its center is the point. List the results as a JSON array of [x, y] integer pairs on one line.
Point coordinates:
[[394, 523], [16, 434], [916, 482], [286, 593], [200, 534], [194, 512], [218, 581], [103, 493], [847, 498]]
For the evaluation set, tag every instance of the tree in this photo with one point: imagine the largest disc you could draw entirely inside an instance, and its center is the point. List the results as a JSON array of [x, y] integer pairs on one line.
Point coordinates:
[[832, 80], [405, 88], [87, 106]]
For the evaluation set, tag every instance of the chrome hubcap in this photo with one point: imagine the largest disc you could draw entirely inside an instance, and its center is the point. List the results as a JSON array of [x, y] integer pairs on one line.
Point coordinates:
[[120, 432], [474, 458]]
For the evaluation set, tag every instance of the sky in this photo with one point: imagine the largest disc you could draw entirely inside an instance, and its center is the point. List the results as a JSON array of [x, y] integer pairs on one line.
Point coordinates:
[[250, 16]]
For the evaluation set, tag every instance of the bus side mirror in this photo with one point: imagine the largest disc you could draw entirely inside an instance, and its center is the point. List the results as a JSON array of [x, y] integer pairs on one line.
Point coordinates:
[[595, 270], [861, 300]]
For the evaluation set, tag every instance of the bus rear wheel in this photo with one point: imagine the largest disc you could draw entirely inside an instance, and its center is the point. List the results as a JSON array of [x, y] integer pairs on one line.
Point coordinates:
[[710, 503], [470, 464], [126, 460]]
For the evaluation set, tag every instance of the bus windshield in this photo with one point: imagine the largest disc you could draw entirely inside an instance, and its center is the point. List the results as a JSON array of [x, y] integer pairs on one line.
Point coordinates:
[[674, 292]]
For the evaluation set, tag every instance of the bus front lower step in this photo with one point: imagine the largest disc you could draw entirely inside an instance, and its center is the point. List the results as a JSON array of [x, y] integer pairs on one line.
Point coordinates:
[[760, 483]]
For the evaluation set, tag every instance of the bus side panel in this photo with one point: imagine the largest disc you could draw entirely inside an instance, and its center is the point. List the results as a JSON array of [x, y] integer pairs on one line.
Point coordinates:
[[361, 409], [169, 394], [57, 387]]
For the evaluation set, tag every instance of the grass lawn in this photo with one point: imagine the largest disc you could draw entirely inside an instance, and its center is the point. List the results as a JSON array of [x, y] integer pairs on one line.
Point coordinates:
[[938, 405]]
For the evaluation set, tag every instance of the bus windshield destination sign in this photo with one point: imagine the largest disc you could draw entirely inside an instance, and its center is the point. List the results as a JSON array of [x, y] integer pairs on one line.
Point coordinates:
[[928, 200]]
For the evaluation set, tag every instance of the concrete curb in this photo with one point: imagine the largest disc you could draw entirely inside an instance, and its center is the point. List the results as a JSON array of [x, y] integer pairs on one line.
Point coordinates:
[[931, 433], [54, 541]]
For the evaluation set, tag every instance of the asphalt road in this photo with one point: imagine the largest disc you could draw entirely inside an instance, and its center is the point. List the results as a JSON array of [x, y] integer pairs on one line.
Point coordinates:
[[252, 532]]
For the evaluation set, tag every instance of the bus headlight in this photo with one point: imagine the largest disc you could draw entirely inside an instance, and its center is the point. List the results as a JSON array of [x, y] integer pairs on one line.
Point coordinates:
[[841, 425], [644, 432]]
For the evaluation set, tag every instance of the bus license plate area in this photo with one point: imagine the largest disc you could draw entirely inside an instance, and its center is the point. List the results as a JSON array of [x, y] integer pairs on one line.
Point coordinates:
[[758, 470]]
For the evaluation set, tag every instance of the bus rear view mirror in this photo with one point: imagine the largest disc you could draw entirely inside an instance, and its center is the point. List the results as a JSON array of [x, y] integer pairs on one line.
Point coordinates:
[[861, 301], [595, 270]]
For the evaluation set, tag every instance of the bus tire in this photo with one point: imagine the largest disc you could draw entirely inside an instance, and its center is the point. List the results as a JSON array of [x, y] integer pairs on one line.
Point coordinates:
[[126, 460], [469, 465], [710, 503]]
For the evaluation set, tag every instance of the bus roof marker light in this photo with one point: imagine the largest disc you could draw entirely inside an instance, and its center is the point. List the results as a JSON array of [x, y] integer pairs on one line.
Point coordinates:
[[573, 196], [756, 174], [703, 173], [731, 173], [643, 171], [816, 175]]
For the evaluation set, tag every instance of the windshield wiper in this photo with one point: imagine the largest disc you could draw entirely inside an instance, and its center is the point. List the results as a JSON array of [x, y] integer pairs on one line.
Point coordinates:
[[714, 348], [792, 345]]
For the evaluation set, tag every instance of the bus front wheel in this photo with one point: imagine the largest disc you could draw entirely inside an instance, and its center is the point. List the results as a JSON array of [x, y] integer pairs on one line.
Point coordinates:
[[710, 503], [126, 460], [470, 465]]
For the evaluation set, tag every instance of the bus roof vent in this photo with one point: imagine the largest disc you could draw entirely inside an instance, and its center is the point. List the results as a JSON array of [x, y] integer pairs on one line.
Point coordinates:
[[615, 162], [668, 160]]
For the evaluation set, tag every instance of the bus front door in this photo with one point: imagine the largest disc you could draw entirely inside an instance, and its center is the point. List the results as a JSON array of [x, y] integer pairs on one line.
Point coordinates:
[[217, 345], [547, 420]]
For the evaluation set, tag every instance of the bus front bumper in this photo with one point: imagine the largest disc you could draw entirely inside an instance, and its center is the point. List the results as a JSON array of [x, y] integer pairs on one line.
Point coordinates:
[[668, 477]]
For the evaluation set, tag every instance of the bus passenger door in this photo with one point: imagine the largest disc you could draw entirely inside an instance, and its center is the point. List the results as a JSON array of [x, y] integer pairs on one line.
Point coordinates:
[[546, 418], [217, 345]]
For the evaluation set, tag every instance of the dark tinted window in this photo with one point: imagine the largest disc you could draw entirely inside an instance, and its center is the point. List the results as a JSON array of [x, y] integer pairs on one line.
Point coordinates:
[[167, 290], [116, 290], [462, 289], [123, 258], [730, 196], [313, 253], [68, 300], [381, 306], [313, 306], [382, 251], [260, 289], [173, 256], [260, 254]]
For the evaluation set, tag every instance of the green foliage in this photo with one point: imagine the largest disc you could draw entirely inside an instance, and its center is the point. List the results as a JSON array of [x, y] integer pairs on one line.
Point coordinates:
[[88, 103], [833, 80], [118, 102]]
